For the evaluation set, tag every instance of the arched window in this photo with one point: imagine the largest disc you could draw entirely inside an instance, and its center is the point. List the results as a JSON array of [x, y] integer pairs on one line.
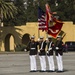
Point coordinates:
[[9, 42], [25, 39]]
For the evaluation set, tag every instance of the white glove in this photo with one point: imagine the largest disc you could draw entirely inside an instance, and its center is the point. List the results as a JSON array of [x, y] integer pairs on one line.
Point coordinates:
[[57, 48], [25, 50], [50, 49], [38, 50], [38, 40], [47, 51]]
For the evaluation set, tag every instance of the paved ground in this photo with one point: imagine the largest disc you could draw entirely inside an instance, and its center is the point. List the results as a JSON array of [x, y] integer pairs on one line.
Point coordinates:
[[18, 64]]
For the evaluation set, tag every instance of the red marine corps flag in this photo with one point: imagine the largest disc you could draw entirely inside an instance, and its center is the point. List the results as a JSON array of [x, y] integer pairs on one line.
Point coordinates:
[[54, 26], [55, 29]]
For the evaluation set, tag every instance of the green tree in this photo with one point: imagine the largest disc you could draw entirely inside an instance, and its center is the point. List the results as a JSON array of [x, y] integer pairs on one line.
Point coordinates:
[[20, 17], [7, 10], [31, 11], [66, 10]]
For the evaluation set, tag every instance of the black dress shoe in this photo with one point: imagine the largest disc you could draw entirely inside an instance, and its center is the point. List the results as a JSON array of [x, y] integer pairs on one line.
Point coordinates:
[[59, 71], [51, 71], [33, 71], [42, 71]]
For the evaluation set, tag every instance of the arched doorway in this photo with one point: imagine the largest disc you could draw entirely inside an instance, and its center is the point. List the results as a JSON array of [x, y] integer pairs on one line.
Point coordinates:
[[25, 39], [9, 42]]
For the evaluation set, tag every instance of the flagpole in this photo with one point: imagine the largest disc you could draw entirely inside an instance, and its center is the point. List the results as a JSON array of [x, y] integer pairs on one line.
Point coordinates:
[[38, 24], [38, 32], [46, 34]]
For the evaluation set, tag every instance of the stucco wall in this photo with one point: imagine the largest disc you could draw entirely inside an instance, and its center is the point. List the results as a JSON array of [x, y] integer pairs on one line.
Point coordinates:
[[31, 28]]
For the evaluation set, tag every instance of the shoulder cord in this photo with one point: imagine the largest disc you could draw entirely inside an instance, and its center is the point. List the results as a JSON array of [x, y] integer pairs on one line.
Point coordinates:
[[50, 44], [42, 45]]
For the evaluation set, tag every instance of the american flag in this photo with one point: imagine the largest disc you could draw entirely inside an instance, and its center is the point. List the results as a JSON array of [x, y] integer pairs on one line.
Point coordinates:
[[41, 19]]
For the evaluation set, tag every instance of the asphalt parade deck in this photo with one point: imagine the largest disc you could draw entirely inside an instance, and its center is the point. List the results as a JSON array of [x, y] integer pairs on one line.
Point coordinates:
[[18, 64]]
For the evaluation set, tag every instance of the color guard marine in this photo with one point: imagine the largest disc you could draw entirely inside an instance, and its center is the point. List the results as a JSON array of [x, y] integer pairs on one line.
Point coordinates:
[[50, 48], [32, 48], [42, 54], [59, 53]]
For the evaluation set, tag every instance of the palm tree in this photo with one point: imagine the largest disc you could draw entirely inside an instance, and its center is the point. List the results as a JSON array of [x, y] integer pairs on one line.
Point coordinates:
[[7, 10]]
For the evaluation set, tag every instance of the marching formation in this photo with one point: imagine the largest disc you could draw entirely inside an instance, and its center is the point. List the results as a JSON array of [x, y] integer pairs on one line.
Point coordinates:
[[45, 48]]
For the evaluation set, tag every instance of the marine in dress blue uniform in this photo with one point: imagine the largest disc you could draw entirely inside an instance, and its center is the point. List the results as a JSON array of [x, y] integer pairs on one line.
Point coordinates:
[[50, 47], [32, 48], [42, 54], [59, 53]]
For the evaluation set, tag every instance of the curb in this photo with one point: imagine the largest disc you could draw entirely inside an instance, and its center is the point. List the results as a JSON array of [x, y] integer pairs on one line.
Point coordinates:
[[13, 52]]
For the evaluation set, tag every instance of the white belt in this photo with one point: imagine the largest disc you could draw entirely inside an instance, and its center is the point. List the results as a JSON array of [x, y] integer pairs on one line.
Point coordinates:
[[32, 48], [49, 49]]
